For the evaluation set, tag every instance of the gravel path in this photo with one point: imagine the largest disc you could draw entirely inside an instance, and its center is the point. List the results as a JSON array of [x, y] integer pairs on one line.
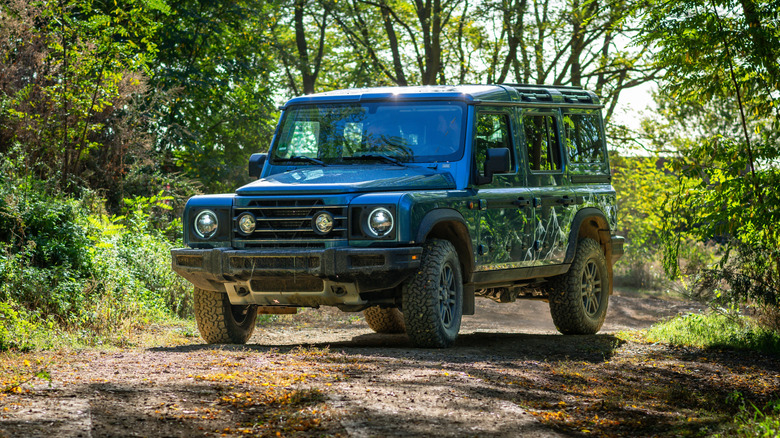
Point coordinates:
[[323, 373]]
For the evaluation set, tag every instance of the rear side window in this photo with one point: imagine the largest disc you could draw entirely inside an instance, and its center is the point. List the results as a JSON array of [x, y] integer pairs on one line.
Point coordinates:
[[584, 143], [583, 138], [541, 137]]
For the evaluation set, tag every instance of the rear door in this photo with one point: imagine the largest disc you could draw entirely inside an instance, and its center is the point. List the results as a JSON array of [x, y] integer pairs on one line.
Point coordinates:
[[554, 201]]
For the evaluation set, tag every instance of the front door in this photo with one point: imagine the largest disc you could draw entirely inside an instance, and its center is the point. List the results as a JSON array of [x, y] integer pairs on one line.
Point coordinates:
[[506, 207]]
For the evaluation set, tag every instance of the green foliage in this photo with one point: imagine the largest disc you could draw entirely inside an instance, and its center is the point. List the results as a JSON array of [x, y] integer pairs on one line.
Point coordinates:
[[63, 267], [71, 71], [213, 63], [723, 79], [754, 422], [643, 187], [708, 46], [715, 330], [16, 327]]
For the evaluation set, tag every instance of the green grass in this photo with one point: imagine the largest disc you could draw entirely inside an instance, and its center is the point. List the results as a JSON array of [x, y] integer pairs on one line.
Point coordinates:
[[727, 331], [715, 330], [751, 421], [71, 275]]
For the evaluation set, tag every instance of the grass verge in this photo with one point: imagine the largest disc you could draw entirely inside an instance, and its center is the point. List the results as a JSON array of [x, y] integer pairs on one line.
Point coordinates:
[[715, 330], [727, 331], [754, 422]]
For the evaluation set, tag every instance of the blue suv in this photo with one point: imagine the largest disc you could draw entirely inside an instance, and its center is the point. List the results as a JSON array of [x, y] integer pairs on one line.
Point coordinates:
[[407, 204]]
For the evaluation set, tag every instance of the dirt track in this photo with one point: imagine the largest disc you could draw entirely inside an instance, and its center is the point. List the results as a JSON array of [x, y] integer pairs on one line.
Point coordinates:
[[325, 373]]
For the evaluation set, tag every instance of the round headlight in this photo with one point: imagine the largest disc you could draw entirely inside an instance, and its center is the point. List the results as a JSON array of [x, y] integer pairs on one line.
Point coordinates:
[[246, 223], [380, 222], [206, 224], [323, 222]]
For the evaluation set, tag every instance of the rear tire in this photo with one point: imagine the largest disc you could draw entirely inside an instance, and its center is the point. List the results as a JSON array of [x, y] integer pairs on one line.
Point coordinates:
[[432, 299], [384, 320], [579, 298], [220, 322]]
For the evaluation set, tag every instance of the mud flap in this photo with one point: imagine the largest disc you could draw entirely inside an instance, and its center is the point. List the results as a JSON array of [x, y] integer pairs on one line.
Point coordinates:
[[468, 299]]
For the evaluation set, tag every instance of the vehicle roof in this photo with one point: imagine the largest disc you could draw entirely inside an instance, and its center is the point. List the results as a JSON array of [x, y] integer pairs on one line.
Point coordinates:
[[518, 93]]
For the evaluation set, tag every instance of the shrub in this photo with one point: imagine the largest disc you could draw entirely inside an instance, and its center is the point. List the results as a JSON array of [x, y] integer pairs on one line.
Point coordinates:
[[16, 328], [85, 272]]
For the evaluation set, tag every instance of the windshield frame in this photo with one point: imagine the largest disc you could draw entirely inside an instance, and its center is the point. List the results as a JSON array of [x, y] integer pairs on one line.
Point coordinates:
[[430, 131]]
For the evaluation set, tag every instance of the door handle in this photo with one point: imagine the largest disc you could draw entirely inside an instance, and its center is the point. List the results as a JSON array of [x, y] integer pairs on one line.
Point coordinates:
[[570, 200], [522, 202]]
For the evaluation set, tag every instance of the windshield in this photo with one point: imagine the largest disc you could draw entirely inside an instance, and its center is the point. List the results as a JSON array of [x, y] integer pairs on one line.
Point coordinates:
[[407, 132]]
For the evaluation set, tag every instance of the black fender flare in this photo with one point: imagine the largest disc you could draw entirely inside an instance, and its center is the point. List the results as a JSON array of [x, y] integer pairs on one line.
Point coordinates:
[[462, 244], [433, 217], [598, 230], [581, 216]]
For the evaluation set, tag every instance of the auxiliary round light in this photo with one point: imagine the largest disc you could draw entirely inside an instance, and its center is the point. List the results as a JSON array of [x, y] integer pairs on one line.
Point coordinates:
[[323, 222], [247, 223], [206, 224], [380, 222]]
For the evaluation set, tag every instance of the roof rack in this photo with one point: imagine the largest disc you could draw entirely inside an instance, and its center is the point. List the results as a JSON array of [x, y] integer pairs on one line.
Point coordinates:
[[553, 93], [557, 87]]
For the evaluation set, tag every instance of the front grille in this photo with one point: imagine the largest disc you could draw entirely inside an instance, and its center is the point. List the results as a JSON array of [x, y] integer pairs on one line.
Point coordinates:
[[283, 221]]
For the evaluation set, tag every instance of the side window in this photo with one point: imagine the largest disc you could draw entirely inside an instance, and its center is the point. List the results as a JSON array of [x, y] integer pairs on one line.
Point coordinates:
[[492, 132], [584, 142], [542, 142]]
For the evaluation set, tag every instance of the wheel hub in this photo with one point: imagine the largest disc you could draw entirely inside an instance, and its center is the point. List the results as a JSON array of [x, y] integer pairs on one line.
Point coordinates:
[[591, 288], [447, 295]]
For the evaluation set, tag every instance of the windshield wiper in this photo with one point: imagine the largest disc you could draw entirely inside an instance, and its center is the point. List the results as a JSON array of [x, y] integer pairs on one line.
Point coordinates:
[[375, 157], [306, 159]]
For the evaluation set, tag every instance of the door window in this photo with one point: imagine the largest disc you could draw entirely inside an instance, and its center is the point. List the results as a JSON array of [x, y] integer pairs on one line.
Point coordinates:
[[541, 137], [492, 132]]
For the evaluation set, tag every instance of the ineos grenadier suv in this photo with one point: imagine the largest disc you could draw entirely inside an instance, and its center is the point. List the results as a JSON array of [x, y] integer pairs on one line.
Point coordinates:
[[406, 204]]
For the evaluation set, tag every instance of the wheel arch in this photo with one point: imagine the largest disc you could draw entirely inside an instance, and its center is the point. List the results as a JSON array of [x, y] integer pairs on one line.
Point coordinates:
[[591, 223], [449, 224]]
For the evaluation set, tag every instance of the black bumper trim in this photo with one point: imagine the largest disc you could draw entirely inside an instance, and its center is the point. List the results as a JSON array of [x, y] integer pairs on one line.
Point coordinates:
[[371, 268]]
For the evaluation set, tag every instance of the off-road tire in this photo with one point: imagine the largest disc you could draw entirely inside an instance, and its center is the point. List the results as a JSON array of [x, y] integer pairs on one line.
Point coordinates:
[[220, 322], [432, 299], [579, 298], [384, 320]]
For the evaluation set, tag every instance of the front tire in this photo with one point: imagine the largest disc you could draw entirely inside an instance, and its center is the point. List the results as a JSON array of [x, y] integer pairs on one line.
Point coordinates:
[[384, 320], [579, 298], [220, 322], [432, 299]]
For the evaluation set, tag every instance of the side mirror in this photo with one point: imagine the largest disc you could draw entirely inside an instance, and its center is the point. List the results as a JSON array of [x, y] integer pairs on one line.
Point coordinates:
[[497, 161], [256, 163]]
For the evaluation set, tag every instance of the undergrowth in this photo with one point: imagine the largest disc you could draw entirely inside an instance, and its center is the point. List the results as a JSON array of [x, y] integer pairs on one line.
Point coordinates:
[[70, 272], [715, 330], [752, 421]]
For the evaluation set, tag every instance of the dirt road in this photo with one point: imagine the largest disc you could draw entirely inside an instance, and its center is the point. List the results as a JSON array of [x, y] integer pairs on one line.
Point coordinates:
[[323, 373]]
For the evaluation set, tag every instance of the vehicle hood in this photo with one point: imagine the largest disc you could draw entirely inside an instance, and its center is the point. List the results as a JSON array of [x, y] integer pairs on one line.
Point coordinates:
[[343, 179]]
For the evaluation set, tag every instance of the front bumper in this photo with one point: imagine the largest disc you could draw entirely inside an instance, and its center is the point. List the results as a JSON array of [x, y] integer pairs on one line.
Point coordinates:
[[299, 277]]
